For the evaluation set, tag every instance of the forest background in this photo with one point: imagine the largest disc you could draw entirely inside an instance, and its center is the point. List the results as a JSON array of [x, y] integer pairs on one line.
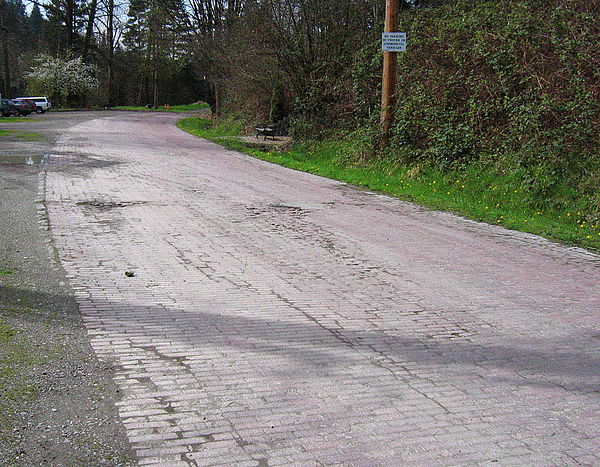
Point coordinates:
[[499, 96]]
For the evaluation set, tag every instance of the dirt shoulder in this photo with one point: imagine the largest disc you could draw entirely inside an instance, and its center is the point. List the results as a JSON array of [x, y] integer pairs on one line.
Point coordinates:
[[56, 399]]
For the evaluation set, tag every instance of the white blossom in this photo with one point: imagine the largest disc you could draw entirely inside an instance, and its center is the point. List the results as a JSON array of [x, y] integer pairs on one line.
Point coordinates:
[[61, 78]]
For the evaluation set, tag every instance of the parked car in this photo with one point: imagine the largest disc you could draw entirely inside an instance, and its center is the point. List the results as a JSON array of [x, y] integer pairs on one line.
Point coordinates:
[[11, 107], [42, 103], [5, 109], [23, 107], [29, 103]]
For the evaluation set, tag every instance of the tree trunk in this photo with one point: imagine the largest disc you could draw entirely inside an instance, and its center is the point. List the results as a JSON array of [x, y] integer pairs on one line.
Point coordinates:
[[111, 51], [70, 22], [155, 86], [89, 29], [217, 107], [4, 34]]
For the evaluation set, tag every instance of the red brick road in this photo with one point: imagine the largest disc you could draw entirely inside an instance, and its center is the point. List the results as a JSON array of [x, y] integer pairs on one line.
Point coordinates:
[[279, 318]]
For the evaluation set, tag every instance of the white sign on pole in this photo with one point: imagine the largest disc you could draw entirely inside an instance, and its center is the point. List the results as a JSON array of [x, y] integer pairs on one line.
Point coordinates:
[[393, 42]]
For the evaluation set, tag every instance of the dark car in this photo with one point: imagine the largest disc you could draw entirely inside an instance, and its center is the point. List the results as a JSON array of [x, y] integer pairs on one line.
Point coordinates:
[[31, 106], [23, 107], [8, 108], [11, 107]]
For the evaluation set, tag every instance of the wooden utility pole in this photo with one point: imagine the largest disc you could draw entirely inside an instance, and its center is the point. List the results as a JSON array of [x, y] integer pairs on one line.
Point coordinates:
[[388, 87]]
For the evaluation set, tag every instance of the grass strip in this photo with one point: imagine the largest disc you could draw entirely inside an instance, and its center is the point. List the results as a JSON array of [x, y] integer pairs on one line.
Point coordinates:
[[29, 136], [13, 119], [22, 135], [477, 192], [174, 108]]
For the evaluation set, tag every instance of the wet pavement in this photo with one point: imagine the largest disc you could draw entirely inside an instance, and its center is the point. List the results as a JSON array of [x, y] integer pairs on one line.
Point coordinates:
[[271, 317]]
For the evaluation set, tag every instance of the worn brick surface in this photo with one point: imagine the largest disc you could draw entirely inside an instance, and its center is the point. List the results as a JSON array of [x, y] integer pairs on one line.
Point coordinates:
[[279, 318]]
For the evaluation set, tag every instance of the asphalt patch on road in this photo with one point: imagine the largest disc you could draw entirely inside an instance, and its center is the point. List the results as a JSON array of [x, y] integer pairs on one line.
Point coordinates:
[[107, 205]]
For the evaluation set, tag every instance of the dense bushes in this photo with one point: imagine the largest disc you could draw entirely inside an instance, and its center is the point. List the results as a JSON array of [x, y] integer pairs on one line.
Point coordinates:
[[515, 84], [502, 78]]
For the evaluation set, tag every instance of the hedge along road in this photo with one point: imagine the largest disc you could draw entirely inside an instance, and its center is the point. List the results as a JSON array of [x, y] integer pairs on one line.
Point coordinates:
[[275, 317]]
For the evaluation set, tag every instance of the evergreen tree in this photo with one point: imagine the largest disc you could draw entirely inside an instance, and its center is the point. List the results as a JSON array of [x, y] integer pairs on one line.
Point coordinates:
[[36, 23], [66, 20], [152, 35], [13, 21]]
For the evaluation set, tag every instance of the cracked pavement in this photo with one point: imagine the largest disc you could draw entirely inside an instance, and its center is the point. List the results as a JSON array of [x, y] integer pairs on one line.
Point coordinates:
[[280, 318]]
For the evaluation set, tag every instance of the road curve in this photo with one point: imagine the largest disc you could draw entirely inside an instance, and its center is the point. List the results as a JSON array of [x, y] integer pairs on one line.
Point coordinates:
[[279, 318]]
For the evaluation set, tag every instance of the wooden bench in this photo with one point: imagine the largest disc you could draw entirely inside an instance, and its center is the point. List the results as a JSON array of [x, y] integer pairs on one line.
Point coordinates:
[[265, 130]]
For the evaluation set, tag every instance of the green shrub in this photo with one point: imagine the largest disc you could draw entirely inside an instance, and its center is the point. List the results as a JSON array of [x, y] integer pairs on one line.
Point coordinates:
[[511, 83]]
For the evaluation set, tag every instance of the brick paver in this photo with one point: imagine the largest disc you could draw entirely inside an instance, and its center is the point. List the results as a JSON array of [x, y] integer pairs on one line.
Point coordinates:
[[279, 318]]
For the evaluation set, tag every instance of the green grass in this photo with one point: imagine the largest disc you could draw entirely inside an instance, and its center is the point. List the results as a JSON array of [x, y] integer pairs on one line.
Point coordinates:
[[29, 136], [189, 107], [4, 272], [174, 108], [17, 356], [478, 191], [22, 135], [13, 119]]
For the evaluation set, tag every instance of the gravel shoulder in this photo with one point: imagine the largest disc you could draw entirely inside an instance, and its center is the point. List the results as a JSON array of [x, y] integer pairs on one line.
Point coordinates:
[[56, 399]]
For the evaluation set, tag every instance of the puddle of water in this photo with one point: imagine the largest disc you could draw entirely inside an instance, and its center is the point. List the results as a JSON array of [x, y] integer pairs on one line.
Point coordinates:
[[20, 159]]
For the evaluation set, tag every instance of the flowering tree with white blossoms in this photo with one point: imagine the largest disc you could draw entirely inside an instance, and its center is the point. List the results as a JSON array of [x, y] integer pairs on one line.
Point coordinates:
[[61, 79]]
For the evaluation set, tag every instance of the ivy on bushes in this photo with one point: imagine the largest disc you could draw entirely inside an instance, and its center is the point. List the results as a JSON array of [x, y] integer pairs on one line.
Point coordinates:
[[514, 83]]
